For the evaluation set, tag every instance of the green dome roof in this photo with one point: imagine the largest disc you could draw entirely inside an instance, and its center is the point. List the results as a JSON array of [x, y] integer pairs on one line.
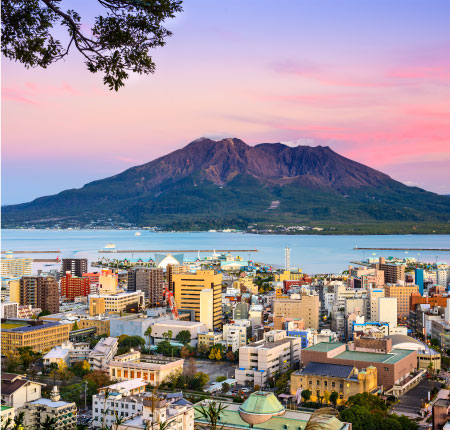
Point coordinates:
[[260, 407]]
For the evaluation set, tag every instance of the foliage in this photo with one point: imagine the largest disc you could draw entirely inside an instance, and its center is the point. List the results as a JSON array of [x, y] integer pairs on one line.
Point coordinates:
[[366, 411], [281, 381], [80, 368], [125, 343], [334, 396], [44, 312], [118, 42], [48, 423], [28, 357], [221, 378], [98, 378], [306, 395], [211, 413], [164, 347], [184, 337], [225, 387], [186, 352], [186, 380]]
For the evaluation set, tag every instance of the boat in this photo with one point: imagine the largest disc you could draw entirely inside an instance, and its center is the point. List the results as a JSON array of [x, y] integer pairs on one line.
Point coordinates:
[[138, 233], [110, 246]]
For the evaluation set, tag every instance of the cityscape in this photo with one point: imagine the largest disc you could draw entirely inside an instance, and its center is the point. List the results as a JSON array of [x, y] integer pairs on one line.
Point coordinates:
[[225, 215]]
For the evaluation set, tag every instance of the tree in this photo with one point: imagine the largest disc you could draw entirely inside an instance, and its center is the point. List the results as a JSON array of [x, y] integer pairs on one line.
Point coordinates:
[[44, 312], [28, 356], [199, 381], [75, 326], [128, 342], [334, 398], [203, 350], [99, 378], [306, 395], [225, 387], [186, 352], [211, 414], [184, 337], [48, 423], [117, 43], [218, 354], [148, 333], [212, 354], [221, 378], [326, 396]]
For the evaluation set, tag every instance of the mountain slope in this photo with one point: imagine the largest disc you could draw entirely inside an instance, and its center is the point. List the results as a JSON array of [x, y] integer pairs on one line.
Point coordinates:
[[218, 183]]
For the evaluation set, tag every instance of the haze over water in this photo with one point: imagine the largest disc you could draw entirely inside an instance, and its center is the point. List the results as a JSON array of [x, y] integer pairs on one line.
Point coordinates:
[[313, 254]]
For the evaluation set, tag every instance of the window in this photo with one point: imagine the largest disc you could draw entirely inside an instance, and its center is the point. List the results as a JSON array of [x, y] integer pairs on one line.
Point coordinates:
[[333, 384], [386, 369]]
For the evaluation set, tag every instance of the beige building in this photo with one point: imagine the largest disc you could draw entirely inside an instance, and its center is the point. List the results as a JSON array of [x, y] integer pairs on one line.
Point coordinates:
[[373, 294], [36, 412], [322, 379], [393, 272], [14, 290], [101, 324], [403, 295], [162, 328], [41, 337], [207, 308], [12, 267], [7, 414], [17, 390], [287, 275], [115, 303], [246, 283], [151, 368], [306, 307], [187, 289], [260, 360], [210, 338], [107, 284]]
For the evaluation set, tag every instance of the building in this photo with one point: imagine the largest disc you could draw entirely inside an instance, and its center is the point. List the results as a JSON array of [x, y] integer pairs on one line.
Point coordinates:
[[418, 279], [393, 271], [322, 379], [373, 294], [188, 286], [13, 286], [12, 267], [304, 306], [131, 325], [387, 311], [162, 328], [37, 411], [393, 365], [115, 303], [236, 334], [207, 307], [76, 266], [9, 310], [174, 269], [150, 281], [7, 415], [103, 353], [260, 360], [365, 277], [73, 286], [152, 369], [101, 324], [40, 336], [40, 292], [263, 411], [403, 294], [440, 413], [240, 311], [123, 399], [246, 284], [209, 338], [17, 390]]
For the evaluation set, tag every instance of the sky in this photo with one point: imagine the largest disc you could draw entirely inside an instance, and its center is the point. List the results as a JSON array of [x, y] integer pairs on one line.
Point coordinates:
[[370, 79]]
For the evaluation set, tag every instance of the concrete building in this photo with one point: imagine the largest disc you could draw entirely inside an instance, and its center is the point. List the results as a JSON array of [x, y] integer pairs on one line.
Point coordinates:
[[7, 414], [131, 325], [76, 266], [176, 326], [101, 324], [40, 292], [260, 360], [304, 306], [440, 413], [103, 353], [236, 335], [37, 411], [365, 277], [393, 272], [209, 338], [40, 336], [16, 390], [322, 379], [8, 309], [12, 267], [403, 294], [73, 286], [255, 314], [393, 365], [240, 311], [150, 281], [188, 286], [387, 310], [115, 303], [373, 294], [152, 369], [207, 308], [246, 284]]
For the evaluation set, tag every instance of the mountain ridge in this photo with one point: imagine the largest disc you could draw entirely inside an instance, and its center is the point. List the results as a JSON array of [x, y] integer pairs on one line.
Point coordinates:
[[228, 181]]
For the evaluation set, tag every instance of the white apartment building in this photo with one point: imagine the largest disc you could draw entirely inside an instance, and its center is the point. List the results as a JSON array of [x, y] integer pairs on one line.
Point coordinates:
[[103, 353], [372, 303], [259, 360], [161, 329], [255, 314], [443, 277], [16, 267], [9, 309], [387, 310], [17, 390], [235, 335]]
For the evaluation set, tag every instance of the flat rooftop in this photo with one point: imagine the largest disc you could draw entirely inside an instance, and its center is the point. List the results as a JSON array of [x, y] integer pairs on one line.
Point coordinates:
[[324, 346], [390, 358]]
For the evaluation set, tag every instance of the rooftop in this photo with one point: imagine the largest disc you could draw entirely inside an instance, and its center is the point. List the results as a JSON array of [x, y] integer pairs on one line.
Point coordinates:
[[390, 358], [24, 329], [324, 369], [324, 346], [178, 323], [51, 403]]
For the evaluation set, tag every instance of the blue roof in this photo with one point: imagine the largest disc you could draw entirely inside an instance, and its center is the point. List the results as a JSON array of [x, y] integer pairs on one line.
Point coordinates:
[[324, 369], [32, 328]]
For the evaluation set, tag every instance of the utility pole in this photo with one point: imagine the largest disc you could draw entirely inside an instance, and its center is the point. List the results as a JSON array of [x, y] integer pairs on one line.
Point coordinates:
[[85, 394]]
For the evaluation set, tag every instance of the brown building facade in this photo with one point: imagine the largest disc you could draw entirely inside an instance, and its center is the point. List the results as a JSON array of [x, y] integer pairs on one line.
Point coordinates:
[[403, 294], [306, 307], [40, 292]]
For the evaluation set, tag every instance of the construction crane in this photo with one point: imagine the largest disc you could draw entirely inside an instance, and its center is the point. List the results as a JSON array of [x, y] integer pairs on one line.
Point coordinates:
[[170, 299]]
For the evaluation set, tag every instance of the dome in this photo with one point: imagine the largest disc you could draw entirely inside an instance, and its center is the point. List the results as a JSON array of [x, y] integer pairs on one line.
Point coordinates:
[[260, 407], [401, 341]]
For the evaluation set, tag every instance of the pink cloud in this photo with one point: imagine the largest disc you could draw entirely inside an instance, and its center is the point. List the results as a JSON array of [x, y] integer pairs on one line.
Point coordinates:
[[16, 95]]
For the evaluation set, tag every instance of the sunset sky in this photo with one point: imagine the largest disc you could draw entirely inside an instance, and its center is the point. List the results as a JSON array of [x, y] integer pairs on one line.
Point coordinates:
[[369, 78]]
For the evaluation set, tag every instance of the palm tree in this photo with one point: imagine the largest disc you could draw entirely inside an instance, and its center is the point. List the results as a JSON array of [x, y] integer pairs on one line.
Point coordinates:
[[6, 424], [48, 424], [148, 333], [18, 421], [211, 413]]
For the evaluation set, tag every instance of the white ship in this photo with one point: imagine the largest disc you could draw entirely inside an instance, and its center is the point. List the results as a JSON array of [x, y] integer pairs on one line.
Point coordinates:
[[138, 233], [110, 246]]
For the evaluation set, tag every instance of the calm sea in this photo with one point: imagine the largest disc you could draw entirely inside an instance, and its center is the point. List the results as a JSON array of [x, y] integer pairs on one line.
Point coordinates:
[[314, 254]]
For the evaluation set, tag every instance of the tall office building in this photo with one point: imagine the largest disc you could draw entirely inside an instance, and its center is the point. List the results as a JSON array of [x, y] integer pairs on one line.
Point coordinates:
[[16, 267], [403, 294], [76, 266], [393, 272], [174, 269], [188, 287], [40, 292], [73, 286], [418, 275], [150, 281], [307, 306]]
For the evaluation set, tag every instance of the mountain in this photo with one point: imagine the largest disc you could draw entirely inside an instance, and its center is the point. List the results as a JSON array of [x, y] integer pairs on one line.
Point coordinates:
[[227, 183]]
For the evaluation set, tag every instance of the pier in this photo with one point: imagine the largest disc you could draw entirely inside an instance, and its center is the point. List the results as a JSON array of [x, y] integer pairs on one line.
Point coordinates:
[[137, 251], [31, 252], [357, 248]]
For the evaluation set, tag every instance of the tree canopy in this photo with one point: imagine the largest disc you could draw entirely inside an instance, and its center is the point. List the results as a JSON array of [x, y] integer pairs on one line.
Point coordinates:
[[117, 42]]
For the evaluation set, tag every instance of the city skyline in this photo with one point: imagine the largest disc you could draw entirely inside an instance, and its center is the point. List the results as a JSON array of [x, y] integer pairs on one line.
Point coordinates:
[[369, 80]]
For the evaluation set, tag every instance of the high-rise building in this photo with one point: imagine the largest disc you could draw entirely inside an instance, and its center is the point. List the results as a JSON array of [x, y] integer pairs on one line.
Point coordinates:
[[305, 306], [40, 292], [174, 269], [188, 286], [73, 286], [418, 275], [150, 281], [403, 294], [393, 272], [76, 266], [15, 267]]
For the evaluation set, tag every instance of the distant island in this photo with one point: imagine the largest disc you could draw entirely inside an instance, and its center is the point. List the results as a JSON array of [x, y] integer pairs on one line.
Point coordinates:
[[268, 188]]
